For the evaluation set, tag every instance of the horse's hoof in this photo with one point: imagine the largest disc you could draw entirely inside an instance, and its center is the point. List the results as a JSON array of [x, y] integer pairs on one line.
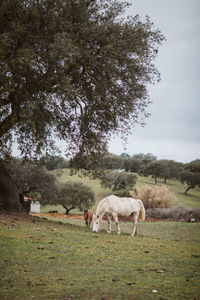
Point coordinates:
[[108, 231], [118, 233]]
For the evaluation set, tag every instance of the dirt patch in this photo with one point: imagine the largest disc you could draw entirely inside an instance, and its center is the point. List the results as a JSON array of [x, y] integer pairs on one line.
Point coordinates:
[[60, 216], [81, 217], [21, 217]]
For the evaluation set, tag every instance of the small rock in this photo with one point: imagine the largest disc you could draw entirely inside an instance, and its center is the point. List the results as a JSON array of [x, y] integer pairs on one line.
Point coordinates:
[[115, 279], [40, 247], [154, 291], [160, 271], [130, 283]]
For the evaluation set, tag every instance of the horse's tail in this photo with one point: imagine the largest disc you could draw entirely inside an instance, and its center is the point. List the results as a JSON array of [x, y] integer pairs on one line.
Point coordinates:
[[142, 211]]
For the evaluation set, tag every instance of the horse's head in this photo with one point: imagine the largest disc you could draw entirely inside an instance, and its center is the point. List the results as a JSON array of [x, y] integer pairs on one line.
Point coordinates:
[[85, 213], [96, 223]]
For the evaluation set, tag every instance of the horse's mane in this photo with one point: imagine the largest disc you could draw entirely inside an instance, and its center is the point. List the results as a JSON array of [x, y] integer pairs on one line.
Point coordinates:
[[100, 205]]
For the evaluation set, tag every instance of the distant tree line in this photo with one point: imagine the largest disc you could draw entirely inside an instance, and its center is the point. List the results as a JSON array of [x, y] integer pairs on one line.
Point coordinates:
[[53, 162], [149, 165], [142, 164]]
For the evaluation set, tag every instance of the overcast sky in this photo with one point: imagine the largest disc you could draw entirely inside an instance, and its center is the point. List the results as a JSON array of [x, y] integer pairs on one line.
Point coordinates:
[[173, 129]]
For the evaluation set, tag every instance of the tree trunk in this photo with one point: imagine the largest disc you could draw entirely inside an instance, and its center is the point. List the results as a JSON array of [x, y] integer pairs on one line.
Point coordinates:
[[68, 209], [189, 188], [9, 195]]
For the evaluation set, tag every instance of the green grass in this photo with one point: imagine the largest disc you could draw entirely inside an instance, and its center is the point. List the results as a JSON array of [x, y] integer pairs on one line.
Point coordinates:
[[41, 259], [61, 259]]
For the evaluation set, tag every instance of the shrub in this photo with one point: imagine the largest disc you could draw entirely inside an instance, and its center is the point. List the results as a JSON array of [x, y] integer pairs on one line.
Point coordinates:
[[154, 197]]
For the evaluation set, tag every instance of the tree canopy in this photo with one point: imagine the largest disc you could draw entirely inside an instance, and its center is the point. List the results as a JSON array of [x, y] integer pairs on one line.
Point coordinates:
[[52, 162], [119, 182], [163, 168], [191, 175], [32, 180], [73, 195], [72, 70]]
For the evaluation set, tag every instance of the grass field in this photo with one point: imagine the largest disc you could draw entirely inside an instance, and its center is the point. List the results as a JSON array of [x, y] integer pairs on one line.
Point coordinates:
[[41, 259], [62, 259]]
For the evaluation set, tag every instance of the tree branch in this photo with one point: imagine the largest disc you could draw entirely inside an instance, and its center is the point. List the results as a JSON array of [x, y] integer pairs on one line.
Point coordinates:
[[32, 188], [4, 102], [7, 124], [68, 209], [11, 119]]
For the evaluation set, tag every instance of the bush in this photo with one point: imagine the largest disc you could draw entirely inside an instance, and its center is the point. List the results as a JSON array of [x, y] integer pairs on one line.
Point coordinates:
[[154, 197]]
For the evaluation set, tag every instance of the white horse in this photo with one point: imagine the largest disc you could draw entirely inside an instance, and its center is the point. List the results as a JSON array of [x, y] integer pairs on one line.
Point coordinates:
[[115, 206]]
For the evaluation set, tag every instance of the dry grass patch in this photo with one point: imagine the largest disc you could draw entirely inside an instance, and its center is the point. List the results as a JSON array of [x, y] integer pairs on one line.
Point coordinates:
[[155, 196]]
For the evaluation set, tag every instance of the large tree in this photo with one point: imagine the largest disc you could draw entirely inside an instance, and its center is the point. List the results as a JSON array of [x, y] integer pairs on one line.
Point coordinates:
[[75, 70], [9, 194], [25, 178], [156, 169], [32, 180], [73, 195], [171, 169]]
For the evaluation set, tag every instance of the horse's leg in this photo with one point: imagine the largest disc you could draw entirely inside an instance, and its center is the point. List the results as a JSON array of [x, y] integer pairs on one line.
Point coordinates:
[[109, 223], [135, 221], [90, 221], [116, 222]]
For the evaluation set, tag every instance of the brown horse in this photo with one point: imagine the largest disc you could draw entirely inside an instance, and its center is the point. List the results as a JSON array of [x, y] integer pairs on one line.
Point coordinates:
[[88, 215]]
